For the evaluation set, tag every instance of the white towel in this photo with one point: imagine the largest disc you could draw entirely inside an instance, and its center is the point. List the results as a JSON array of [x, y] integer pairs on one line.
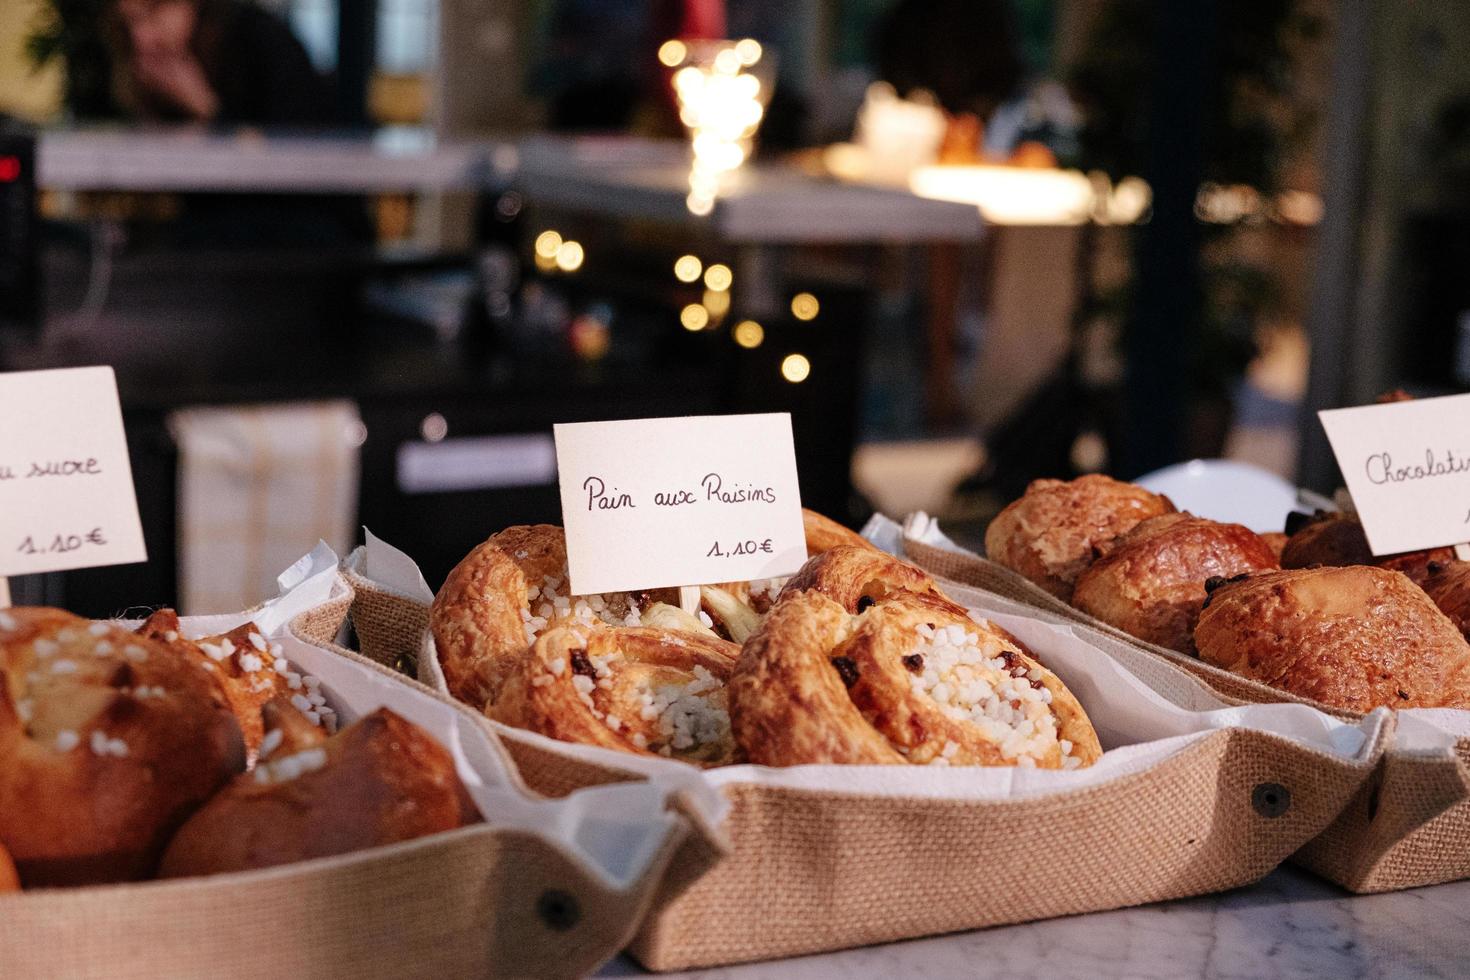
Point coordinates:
[[258, 486]]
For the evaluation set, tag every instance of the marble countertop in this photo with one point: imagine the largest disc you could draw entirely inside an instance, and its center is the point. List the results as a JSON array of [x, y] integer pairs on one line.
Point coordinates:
[[1289, 925]]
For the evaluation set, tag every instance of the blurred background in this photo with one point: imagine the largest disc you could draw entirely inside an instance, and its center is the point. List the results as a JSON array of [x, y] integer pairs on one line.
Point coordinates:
[[352, 258]]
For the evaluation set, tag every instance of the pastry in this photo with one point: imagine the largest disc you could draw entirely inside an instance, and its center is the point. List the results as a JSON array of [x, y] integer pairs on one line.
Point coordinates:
[[379, 781], [108, 741], [1448, 584], [1056, 529], [636, 689], [1276, 541], [869, 664], [252, 671], [1337, 539], [511, 588], [1353, 637], [1152, 583], [9, 878]]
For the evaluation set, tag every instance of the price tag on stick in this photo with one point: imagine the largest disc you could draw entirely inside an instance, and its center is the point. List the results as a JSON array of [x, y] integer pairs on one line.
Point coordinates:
[[66, 485], [653, 503], [1407, 466]]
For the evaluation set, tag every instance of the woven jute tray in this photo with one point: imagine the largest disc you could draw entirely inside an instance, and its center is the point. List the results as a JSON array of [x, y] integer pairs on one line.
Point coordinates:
[[868, 859], [1408, 825], [493, 899]]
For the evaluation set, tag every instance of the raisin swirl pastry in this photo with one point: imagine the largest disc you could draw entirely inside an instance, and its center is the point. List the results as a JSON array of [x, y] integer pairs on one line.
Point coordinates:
[[863, 661], [108, 741], [1338, 539], [635, 689], [513, 587], [1057, 528]]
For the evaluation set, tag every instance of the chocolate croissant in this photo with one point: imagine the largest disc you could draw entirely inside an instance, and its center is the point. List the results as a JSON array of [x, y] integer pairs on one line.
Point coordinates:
[[1056, 529], [1152, 583], [1355, 637]]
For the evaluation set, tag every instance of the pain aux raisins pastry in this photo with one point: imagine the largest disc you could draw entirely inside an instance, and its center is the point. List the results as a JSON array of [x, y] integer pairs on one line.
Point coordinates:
[[636, 689], [1353, 637], [1152, 583], [379, 781], [108, 741], [513, 588], [863, 661], [1058, 528]]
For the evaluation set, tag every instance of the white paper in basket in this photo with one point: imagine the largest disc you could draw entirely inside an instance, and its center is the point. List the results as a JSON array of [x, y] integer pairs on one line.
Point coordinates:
[[614, 831], [1419, 731], [1139, 729]]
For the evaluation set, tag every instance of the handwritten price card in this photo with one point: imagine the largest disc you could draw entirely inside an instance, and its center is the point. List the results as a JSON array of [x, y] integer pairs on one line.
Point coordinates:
[[652, 503], [66, 487], [1407, 465]]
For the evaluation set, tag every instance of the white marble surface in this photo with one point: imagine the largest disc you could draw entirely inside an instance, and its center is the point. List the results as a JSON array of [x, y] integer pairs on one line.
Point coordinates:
[[1289, 925]]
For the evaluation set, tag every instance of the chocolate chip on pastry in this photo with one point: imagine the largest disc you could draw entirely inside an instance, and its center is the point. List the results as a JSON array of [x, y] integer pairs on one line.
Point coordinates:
[[1338, 539], [108, 741], [910, 679], [1058, 528], [1353, 637], [1448, 584], [636, 689], [379, 781], [252, 671], [513, 587], [1152, 583]]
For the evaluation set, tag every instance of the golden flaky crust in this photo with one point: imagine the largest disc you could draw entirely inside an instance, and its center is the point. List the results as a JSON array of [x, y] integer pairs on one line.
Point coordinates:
[[477, 617], [1338, 539], [1152, 583], [1354, 637], [378, 781], [108, 741], [1058, 528], [824, 534], [821, 682], [634, 689], [9, 877]]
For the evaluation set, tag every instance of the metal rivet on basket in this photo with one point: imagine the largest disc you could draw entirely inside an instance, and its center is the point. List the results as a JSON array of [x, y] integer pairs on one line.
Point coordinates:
[[1270, 799], [407, 664], [558, 910]]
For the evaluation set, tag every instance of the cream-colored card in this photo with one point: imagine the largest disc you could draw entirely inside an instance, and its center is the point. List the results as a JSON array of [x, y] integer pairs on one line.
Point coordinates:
[[1407, 465], [651, 503], [66, 486]]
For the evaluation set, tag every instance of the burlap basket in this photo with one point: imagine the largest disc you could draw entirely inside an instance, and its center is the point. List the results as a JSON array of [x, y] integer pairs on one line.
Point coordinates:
[[866, 859], [514, 897], [1408, 825]]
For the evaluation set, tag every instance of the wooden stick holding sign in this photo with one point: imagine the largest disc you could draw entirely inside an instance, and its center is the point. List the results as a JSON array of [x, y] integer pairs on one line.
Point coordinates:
[[689, 599], [66, 484], [1462, 552]]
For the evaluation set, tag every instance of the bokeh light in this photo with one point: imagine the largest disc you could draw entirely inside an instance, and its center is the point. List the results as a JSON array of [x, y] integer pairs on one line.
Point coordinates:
[[795, 368], [672, 53], [749, 334], [547, 244], [804, 306], [718, 277], [569, 256], [694, 317], [687, 268]]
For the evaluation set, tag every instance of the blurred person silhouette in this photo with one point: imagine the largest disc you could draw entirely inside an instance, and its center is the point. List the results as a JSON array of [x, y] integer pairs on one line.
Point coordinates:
[[227, 63], [219, 61]]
